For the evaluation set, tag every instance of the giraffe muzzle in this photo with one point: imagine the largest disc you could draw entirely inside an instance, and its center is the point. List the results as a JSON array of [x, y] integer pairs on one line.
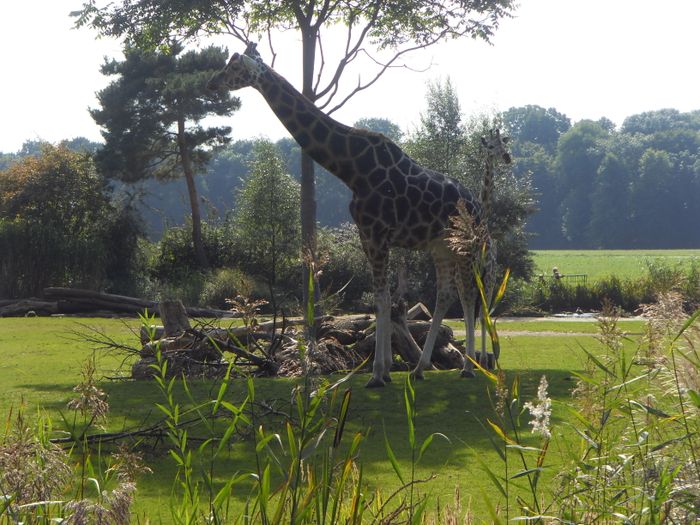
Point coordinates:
[[214, 83]]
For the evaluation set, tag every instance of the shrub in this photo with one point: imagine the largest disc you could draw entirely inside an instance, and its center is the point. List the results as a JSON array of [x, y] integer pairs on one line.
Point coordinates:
[[222, 284], [345, 264], [346, 267], [59, 226], [628, 294], [175, 258]]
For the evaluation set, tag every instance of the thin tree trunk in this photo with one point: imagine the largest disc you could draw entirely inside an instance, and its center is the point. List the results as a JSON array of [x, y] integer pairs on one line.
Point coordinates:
[[199, 254], [308, 179]]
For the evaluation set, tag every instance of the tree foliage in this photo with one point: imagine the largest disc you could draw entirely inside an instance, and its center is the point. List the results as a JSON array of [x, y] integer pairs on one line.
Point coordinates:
[[396, 28], [600, 187], [59, 227], [447, 142], [386, 25], [439, 140], [151, 118], [266, 219]]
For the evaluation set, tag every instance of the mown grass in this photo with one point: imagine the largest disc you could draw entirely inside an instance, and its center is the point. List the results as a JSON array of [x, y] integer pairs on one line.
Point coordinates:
[[564, 326], [598, 264], [42, 360]]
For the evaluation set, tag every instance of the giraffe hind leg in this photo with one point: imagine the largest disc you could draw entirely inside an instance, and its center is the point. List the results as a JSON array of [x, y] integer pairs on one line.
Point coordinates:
[[445, 273]]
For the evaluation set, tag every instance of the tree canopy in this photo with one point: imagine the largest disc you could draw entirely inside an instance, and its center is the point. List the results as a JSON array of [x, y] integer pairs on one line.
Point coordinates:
[[59, 226], [151, 117], [378, 34]]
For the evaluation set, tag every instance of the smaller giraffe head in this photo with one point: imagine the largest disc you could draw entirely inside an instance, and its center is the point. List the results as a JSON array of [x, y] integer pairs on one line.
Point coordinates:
[[241, 71], [496, 145]]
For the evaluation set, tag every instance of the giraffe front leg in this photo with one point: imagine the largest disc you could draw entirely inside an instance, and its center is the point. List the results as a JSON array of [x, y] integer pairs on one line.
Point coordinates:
[[382, 348], [444, 273], [424, 362]]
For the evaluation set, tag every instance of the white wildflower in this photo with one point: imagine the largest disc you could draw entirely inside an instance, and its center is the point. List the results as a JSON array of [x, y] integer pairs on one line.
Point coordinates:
[[541, 410]]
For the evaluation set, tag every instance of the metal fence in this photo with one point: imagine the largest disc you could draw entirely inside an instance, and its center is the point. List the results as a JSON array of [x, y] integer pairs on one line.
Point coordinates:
[[570, 279]]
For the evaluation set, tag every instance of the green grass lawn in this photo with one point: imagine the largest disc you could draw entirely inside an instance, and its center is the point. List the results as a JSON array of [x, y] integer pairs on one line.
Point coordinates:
[[42, 360], [598, 264]]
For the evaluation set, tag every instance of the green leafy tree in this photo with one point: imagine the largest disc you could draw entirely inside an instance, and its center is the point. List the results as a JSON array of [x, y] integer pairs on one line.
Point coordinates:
[[151, 118], [609, 225], [394, 30], [59, 227], [266, 220], [535, 133], [381, 125], [579, 154], [536, 125], [441, 136], [655, 216], [447, 142], [661, 120]]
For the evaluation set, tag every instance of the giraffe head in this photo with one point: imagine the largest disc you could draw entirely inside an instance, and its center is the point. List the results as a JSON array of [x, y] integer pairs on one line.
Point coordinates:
[[496, 145], [241, 71]]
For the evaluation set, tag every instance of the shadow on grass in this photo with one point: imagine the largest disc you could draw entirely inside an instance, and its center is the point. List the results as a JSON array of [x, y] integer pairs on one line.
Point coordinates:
[[445, 403]]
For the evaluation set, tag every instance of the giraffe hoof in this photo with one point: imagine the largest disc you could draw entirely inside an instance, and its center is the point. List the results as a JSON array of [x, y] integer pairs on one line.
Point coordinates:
[[387, 378], [467, 373], [417, 375], [375, 383]]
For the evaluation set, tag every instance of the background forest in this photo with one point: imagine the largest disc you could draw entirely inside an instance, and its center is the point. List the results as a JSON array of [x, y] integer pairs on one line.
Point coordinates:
[[595, 186], [575, 186]]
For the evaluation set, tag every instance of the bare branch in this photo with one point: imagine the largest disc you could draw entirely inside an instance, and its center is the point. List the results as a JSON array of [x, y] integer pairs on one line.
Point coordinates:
[[384, 67], [321, 65], [351, 51], [272, 47]]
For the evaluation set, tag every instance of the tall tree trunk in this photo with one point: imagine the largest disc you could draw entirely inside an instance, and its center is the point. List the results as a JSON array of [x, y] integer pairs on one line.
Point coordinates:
[[308, 179], [199, 254]]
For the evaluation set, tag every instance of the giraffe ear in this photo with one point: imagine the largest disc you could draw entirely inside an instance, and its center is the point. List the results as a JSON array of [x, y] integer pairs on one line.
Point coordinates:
[[506, 140]]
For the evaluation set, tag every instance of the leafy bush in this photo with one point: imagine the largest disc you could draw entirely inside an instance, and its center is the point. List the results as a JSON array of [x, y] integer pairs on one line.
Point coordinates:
[[59, 227], [175, 258], [345, 264], [345, 267], [222, 284], [628, 294]]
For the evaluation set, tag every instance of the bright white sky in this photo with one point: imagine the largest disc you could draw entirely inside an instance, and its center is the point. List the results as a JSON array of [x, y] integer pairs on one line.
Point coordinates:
[[586, 58]]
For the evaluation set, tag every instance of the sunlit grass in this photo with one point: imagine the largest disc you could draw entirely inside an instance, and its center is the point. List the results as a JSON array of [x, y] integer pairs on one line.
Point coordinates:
[[598, 264], [43, 357]]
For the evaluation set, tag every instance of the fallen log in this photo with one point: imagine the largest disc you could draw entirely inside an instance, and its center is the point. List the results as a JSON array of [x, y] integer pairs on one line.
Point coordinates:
[[235, 332], [82, 295], [73, 300], [24, 307]]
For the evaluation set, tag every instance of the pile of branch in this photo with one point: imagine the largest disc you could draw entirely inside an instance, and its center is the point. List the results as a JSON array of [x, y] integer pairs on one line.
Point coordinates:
[[279, 348], [58, 300]]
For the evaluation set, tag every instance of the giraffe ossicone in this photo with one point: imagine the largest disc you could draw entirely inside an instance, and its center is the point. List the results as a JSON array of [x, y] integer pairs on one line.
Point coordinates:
[[395, 201]]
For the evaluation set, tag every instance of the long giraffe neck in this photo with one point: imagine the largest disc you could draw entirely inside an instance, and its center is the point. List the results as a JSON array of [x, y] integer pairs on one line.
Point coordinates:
[[331, 144], [487, 189]]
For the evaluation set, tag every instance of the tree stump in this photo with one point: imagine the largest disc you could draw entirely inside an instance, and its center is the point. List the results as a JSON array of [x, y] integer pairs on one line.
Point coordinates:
[[174, 317]]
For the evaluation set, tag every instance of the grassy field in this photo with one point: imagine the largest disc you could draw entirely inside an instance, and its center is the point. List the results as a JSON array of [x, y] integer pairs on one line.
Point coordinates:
[[597, 264], [42, 359]]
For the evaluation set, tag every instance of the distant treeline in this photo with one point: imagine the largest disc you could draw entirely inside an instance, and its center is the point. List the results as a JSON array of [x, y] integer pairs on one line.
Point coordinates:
[[596, 186]]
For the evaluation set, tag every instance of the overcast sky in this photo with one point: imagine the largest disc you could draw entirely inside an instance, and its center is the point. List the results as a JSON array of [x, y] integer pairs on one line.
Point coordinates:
[[586, 58]]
